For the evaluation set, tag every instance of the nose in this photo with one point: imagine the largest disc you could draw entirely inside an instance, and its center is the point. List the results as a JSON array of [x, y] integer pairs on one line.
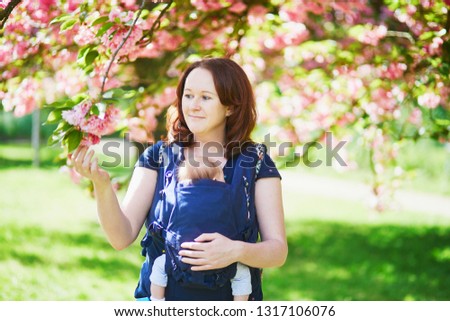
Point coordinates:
[[194, 104]]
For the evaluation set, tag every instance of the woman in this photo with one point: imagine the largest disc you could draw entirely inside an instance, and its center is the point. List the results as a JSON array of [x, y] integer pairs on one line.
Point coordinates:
[[215, 113]]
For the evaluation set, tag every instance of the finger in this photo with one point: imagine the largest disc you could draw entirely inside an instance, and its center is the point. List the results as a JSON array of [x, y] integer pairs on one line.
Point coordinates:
[[69, 161], [87, 159], [86, 162], [74, 154], [77, 152], [196, 262], [94, 165], [206, 237], [80, 156], [191, 254], [201, 267], [189, 245]]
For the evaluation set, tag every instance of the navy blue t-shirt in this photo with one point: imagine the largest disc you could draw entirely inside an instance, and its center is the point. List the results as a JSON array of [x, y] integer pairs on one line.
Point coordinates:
[[150, 157]]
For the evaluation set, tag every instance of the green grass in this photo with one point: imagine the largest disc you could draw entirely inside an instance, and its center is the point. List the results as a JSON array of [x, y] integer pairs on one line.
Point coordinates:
[[52, 247]]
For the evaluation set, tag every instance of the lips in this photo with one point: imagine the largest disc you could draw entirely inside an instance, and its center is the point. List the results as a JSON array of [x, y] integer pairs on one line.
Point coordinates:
[[196, 117]]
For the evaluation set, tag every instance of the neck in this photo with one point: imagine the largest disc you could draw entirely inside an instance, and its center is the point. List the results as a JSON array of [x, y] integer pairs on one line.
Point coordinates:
[[211, 147]]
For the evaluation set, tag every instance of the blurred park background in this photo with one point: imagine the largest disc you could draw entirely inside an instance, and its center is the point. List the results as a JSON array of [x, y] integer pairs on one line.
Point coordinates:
[[373, 73]]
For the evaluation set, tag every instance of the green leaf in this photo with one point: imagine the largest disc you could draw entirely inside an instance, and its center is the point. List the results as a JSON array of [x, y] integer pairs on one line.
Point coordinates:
[[59, 133], [114, 93], [56, 104], [54, 117], [427, 35], [61, 18], [76, 100], [62, 127], [73, 139], [83, 51], [357, 31], [443, 122], [104, 28], [100, 20], [52, 140], [68, 24], [129, 94], [95, 110], [90, 57]]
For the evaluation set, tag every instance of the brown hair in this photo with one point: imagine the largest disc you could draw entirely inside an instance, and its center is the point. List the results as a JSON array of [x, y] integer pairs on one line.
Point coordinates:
[[234, 91]]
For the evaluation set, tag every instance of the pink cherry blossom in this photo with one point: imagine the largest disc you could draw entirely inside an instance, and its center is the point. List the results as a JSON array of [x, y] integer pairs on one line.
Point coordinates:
[[113, 38], [415, 117], [72, 5], [90, 140], [24, 99], [77, 114], [427, 3], [136, 130], [444, 92], [347, 118], [293, 11], [69, 81], [122, 16], [373, 35], [384, 104], [256, 15], [293, 34], [205, 5], [152, 50], [4, 3], [237, 7], [435, 48], [429, 100], [5, 54], [167, 97], [129, 4], [168, 41], [102, 124], [85, 35], [392, 71]]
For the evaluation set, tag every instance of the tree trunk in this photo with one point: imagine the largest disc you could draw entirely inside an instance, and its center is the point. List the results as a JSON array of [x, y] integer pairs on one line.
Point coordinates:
[[35, 136]]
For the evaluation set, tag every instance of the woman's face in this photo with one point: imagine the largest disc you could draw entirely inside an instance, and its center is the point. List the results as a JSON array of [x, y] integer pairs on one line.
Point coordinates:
[[204, 114]]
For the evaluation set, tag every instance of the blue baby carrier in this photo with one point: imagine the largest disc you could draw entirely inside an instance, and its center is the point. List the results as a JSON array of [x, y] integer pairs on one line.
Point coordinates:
[[180, 212]]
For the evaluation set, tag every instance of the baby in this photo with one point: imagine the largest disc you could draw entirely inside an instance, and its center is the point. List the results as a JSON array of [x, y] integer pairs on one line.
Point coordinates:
[[189, 172]]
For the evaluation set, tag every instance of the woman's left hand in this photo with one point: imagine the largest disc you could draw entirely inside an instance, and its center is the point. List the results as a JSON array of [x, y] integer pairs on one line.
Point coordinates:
[[209, 251]]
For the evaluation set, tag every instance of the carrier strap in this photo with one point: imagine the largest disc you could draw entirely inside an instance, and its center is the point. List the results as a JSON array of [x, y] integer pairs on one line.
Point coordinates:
[[161, 152], [260, 151]]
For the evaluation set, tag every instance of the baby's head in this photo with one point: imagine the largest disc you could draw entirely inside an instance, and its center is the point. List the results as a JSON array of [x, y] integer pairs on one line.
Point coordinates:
[[196, 168]]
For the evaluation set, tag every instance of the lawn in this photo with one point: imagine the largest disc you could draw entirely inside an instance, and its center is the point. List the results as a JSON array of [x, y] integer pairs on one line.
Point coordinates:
[[52, 247]]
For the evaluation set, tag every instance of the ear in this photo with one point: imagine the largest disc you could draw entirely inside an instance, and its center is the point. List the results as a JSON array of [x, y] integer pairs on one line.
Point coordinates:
[[228, 112]]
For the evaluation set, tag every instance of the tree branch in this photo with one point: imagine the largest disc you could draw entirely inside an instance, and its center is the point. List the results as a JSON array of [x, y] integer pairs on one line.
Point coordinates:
[[447, 25], [4, 14], [120, 47], [155, 25], [400, 34]]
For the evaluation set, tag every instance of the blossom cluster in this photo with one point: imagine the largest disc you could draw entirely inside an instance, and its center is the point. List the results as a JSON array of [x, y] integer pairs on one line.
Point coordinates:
[[94, 125]]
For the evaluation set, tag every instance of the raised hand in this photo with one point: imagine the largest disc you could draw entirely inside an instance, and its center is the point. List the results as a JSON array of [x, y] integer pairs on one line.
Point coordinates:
[[87, 166]]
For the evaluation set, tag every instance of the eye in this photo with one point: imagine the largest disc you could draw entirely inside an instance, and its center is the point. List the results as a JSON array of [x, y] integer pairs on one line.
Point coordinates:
[[206, 97], [188, 96]]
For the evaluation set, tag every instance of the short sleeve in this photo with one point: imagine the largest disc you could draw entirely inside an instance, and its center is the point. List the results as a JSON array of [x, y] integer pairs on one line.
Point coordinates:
[[268, 168], [150, 157]]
